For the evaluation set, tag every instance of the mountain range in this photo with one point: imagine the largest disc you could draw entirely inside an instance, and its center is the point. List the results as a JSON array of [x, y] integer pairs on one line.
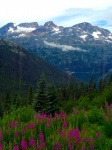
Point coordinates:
[[82, 50]]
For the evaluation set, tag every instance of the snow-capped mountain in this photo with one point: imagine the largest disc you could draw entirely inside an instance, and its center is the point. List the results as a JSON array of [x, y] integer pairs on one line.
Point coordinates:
[[11, 29], [82, 49], [77, 34]]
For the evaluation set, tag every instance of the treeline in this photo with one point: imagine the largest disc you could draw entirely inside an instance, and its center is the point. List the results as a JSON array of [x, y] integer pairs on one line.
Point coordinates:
[[49, 99]]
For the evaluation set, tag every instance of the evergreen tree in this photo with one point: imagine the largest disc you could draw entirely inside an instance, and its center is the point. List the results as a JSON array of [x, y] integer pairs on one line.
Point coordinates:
[[1, 112], [39, 100], [83, 89], [30, 95], [7, 102], [63, 94], [17, 101], [110, 80], [76, 92], [91, 85], [71, 91], [102, 85], [52, 100]]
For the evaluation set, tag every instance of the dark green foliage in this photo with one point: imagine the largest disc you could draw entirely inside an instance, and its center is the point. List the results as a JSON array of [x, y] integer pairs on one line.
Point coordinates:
[[83, 89], [110, 80], [17, 101], [1, 113], [63, 93], [71, 91], [67, 106], [30, 95], [108, 129], [46, 99], [7, 102], [102, 85], [39, 101], [52, 100], [91, 85], [95, 116]]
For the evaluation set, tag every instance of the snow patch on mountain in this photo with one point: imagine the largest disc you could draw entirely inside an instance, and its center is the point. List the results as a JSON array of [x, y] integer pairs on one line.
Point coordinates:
[[96, 34], [55, 29], [83, 37], [110, 36], [63, 47], [11, 30], [24, 29], [108, 41], [22, 35]]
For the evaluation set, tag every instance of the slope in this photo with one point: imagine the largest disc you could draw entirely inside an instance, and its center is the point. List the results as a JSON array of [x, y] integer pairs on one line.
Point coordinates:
[[19, 69]]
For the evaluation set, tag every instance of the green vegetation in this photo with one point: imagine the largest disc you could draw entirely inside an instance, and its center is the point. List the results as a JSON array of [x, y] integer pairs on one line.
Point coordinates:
[[66, 117], [58, 118], [25, 129]]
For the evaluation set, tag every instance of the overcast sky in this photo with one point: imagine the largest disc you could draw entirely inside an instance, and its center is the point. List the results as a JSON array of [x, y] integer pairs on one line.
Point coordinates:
[[61, 12]]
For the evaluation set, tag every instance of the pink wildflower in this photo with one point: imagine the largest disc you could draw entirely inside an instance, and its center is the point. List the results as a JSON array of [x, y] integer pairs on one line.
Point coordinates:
[[70, 147], [1, 146], [16, 147], [32, 142], [24, 145], [16, 134], [65, 125], [98, 134]]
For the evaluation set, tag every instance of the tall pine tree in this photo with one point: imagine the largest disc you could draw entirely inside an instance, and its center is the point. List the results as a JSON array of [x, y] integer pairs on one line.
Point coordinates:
[[52, 100], [39, 100]]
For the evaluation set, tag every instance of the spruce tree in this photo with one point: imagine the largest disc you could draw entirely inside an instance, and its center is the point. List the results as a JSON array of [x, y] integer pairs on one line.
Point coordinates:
[[17, 101], [1, 112], [52, 100], [110, 80], [102, 85], [63, 93], [39, 100], [91, 86], [7, 102], [30, 96], [83, 89]]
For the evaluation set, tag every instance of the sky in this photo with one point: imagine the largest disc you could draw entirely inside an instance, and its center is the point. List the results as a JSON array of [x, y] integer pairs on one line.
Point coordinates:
[[61, 12]]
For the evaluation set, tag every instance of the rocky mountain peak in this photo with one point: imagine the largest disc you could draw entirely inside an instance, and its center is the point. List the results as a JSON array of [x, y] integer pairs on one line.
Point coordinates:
[[6, 27], [84, 26], [50, 23]]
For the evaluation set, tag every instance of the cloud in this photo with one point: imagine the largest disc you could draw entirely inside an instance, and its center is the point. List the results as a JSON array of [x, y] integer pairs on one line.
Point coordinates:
[[73, 16], [63, 47], [62, 12]]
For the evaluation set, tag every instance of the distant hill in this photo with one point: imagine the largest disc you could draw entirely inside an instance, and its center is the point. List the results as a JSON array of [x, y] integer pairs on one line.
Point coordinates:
[[19, 69]]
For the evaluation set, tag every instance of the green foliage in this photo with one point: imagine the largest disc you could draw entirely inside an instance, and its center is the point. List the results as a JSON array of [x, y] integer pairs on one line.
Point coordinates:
[[67, 106], [53, 104], [39, 102], [84, 102], [108, 129], [1, 113], [101, 98], [7, 102], [46, 99], [30, 95], [95, 116]]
